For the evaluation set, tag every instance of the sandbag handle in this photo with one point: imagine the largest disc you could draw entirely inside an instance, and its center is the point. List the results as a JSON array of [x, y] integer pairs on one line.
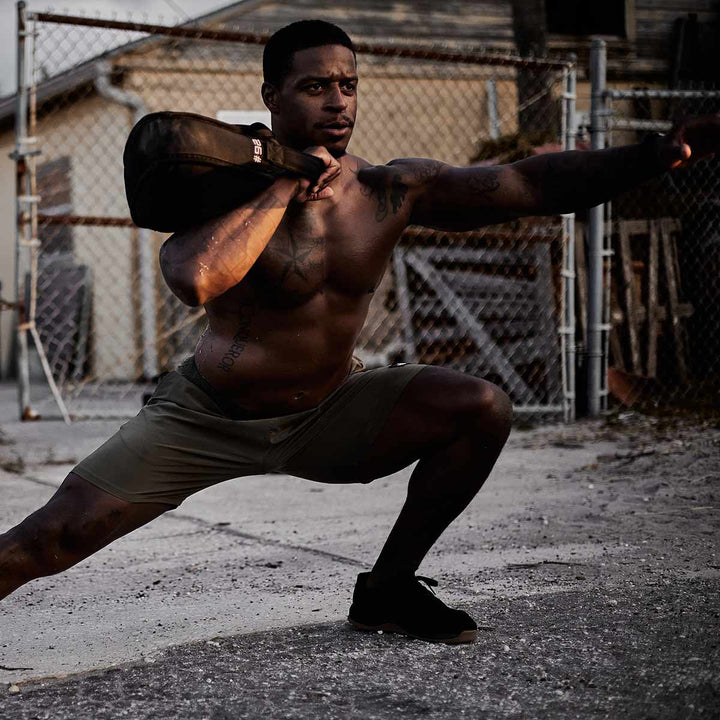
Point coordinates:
[[304, 164]]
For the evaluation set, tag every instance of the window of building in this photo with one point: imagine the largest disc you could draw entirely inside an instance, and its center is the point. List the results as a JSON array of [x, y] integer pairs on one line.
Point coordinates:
[[578, 17]]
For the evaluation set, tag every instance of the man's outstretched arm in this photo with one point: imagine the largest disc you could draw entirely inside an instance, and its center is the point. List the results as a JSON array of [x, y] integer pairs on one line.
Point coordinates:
[[453, 198]]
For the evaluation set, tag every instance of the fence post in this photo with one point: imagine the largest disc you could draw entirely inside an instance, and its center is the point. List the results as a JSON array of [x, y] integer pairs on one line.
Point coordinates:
[[22, 194], [492, 103], [595, 233], [569, 270]]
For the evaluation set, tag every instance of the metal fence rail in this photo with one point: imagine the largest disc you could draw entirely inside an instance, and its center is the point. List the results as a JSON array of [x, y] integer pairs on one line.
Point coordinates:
[[653, 319], [497, 302]]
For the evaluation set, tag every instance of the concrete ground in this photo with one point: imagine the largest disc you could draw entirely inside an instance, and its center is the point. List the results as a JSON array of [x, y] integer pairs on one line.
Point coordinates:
[[590, 560]]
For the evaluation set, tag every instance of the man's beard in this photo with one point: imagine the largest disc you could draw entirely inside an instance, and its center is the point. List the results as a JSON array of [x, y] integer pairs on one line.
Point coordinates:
[[337, 153]]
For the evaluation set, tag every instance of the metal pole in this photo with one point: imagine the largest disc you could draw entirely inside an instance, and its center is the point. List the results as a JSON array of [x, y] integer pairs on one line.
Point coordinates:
[[26, 230], [491, 92], [21, 222], [569, 270], [595, 233], [144, 237]]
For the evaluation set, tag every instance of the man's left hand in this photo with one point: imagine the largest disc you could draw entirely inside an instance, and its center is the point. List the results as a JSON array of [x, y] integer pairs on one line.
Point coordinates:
[[693, 139]]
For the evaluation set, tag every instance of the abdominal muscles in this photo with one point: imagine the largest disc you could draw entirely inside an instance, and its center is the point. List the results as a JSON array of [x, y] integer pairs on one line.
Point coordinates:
[[281, 360]]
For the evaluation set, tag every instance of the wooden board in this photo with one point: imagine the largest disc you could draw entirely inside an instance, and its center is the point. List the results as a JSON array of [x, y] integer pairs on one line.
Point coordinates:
[[629, 297], [652, 300], [672, 275]]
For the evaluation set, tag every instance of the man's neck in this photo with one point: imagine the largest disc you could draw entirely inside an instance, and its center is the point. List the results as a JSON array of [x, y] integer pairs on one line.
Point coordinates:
[[302, 145]]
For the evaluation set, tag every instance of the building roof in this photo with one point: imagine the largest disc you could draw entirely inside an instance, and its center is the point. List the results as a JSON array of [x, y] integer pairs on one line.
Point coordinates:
[[458, 24], [85, 73], [464, 25]]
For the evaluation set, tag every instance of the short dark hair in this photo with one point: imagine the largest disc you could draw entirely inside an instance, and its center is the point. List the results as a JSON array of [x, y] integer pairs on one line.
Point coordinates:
[[301, 35]]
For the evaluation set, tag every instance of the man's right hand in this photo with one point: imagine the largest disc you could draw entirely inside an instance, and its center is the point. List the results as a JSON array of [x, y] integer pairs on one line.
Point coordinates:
[[319, 190]]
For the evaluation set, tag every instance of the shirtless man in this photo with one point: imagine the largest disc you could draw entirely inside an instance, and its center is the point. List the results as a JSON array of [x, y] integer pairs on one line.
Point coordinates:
[[286, 281]]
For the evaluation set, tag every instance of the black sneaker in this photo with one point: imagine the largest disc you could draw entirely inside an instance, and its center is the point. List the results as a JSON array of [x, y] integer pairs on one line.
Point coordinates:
[[408, 607]]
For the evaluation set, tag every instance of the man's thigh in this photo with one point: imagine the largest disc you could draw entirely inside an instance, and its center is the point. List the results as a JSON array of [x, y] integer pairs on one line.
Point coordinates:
[[428, 411], [178, 444], [436, 408]]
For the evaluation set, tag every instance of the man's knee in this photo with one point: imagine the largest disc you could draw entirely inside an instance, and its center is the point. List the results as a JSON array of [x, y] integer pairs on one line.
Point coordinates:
[[45, 548], [72, 525], [490, 410]]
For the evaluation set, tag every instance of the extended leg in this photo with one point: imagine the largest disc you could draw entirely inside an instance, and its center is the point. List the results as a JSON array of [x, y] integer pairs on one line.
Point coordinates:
[[77, 521]]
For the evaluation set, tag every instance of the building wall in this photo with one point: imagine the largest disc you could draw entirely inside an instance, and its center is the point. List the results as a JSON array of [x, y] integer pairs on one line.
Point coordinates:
[[488, 24], [91, 133]]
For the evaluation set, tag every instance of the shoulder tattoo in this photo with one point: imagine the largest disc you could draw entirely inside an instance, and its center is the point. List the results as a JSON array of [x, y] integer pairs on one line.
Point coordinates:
[[388, 190]]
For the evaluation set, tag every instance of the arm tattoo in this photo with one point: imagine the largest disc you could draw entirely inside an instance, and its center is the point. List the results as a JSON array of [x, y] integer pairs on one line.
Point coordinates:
[[240, 339], [426, 171], [484, 184]]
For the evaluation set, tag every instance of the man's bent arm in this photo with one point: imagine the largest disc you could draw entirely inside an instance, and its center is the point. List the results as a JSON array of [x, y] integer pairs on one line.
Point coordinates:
[[205, 261]]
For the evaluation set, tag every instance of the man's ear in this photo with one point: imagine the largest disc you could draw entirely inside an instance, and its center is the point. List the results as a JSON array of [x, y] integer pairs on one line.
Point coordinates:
[[270, 97]]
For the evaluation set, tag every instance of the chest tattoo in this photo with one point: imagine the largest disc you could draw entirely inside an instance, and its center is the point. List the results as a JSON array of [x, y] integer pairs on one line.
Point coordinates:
[[299, 259], [292, 267]]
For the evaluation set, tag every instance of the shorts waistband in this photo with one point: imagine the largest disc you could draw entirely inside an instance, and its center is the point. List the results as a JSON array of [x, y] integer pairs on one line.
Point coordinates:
[[189, 370]]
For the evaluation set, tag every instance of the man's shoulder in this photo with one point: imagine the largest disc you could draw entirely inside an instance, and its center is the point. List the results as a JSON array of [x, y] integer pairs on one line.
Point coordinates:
[[413, 172]]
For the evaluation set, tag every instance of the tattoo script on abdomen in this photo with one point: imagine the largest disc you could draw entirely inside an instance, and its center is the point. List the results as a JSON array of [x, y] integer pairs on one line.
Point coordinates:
[[240, 339]]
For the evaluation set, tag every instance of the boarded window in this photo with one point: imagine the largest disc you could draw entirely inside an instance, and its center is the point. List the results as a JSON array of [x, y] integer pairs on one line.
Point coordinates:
[[54, 188]]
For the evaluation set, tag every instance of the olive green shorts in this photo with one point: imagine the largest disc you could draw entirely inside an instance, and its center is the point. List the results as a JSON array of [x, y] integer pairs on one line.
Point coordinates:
[[185, 440]]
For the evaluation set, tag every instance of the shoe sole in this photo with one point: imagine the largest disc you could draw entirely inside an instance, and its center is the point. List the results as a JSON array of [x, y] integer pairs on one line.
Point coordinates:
[[466, 636]]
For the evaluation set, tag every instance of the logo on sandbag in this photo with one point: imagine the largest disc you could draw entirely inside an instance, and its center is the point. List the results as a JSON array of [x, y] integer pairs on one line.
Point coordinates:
[[257, 150]]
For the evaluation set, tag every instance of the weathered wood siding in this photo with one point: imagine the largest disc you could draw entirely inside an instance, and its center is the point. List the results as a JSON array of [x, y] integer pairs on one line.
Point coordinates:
[[645, 53]]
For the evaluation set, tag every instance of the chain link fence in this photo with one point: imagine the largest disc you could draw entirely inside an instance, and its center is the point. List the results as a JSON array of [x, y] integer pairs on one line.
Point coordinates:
[[662, 284], [490, 302]]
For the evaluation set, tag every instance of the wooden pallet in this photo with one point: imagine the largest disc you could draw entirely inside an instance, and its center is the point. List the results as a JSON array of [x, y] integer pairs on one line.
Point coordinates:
[[647, 297], [492, 310]]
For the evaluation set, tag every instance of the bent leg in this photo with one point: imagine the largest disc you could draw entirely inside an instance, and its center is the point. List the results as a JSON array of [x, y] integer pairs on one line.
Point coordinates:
[[456, 425], [76, 522]]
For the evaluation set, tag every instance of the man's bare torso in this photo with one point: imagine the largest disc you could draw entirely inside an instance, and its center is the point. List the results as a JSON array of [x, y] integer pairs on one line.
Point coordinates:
[[283, 338]]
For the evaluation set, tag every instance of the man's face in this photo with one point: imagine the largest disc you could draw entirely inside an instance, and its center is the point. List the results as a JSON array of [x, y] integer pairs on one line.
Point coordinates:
[[317, 102]]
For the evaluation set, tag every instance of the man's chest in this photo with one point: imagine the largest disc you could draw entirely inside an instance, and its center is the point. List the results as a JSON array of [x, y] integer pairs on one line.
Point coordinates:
[[340, 247]]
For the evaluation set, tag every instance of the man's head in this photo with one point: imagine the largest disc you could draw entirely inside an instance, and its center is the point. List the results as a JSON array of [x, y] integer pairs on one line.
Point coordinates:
[[311, 85]]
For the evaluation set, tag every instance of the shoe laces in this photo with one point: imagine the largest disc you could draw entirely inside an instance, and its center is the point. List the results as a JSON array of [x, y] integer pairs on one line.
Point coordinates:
[[430, 582]]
